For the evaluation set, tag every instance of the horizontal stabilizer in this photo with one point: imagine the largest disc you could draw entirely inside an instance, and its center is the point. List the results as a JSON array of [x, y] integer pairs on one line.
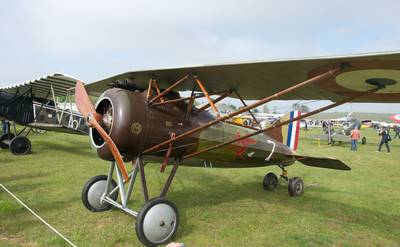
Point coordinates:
[[323, 162]]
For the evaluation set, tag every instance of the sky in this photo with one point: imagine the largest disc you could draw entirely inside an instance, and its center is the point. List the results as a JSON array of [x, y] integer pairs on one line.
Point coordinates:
[[92, 40]]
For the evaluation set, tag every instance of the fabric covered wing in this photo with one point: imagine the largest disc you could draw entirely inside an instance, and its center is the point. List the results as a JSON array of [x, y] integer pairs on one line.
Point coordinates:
[[44, 87], [255, 80]]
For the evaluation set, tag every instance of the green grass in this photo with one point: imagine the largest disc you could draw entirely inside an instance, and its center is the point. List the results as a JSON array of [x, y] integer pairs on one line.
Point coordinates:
[[218, 207]]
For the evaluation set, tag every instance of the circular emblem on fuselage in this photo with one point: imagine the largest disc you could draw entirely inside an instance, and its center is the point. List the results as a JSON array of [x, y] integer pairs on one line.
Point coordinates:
[[136, 128]]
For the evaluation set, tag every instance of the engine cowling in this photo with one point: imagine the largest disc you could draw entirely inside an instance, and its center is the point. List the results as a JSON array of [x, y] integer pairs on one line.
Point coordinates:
[[124, 119], [134, 126]]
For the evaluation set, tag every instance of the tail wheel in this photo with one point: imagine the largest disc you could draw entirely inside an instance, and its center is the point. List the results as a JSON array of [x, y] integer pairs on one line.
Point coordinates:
[[270, 181], [295, 186], [364, 140], [93, 191], [20, 145], [157, 222]]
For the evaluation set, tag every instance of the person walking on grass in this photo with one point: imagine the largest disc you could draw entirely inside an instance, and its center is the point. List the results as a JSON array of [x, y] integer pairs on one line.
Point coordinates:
[[355, 135], [5, 126], [397, 132], [385, 139]]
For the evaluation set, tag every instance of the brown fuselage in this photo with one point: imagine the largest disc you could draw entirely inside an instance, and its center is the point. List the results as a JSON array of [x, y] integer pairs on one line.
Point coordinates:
[[136, 126]]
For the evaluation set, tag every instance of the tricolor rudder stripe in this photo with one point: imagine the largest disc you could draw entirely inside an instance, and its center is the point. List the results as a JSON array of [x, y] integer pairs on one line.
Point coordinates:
[[292, 140]]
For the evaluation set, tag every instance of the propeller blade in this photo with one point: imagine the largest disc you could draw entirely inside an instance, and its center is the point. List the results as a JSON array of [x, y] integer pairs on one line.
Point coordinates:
[[83, 102], [86, 107], [111, 145]]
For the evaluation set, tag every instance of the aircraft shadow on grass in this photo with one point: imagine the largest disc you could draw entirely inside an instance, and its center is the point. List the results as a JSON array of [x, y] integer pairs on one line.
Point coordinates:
[[74, 148], [16, 177]]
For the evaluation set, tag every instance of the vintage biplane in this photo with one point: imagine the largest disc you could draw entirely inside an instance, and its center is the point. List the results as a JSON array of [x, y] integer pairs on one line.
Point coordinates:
[[341, 131], [140, 116], [37, 104]]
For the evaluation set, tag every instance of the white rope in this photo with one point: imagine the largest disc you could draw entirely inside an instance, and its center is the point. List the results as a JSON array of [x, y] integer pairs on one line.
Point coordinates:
[[37, 216]]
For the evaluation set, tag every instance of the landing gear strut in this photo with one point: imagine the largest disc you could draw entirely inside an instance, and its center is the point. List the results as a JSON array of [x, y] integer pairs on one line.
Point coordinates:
[[17, 143], [158, 219], [295, 184]]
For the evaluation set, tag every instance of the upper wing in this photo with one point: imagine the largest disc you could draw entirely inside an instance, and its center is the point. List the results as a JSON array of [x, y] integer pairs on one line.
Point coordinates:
[[44, 87], [255, 80]]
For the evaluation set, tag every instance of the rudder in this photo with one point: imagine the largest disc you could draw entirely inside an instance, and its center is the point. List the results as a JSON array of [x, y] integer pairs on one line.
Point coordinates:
[[292, 130]]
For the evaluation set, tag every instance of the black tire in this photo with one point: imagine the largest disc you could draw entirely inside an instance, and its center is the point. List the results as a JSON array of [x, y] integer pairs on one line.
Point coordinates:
[[8, 136], [364, 140], [295, 186], [88, 202], [270, 181], [20, 145], [139, 227]]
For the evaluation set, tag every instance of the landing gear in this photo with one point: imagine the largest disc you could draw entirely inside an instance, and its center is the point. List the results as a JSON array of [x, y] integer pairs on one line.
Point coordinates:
[[17, 143], [158, 219], [93, 192], [20, 145], [364, 140], [270, 181], [157, 222], [295, 184], [5, 140]]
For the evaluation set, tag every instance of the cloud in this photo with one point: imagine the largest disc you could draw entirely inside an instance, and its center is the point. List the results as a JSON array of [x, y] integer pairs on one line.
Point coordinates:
[[93, 39]]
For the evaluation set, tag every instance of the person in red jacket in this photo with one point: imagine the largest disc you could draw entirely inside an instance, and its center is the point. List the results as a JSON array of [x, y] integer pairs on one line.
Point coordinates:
[[355, 135]]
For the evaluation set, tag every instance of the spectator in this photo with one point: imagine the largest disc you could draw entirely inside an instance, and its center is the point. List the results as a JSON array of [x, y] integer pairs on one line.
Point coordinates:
[[5, 125], [397, 131], [355, 136], [385, 139]]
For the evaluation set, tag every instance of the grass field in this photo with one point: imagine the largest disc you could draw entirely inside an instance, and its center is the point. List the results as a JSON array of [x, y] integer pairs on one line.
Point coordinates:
[[218, 207]]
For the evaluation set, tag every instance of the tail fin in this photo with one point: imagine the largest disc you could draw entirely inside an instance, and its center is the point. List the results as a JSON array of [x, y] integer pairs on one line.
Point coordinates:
[[291, 132]]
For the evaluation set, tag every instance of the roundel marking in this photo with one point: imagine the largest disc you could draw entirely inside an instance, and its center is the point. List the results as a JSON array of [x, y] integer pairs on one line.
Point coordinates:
[[136, 128]]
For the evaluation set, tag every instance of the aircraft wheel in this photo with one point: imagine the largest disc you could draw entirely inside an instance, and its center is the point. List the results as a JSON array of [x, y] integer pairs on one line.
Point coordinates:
[[20, 145], [157, 222], [364, 140], [270, 181], [295, 187], [7, 136], [94, 190]]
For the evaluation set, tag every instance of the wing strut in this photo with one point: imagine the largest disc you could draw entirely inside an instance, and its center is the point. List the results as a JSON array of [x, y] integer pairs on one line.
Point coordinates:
[[317, 78], [273, 126]]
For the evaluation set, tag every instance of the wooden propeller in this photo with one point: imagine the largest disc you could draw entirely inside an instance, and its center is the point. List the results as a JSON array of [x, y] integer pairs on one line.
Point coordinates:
[[86, 107]]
